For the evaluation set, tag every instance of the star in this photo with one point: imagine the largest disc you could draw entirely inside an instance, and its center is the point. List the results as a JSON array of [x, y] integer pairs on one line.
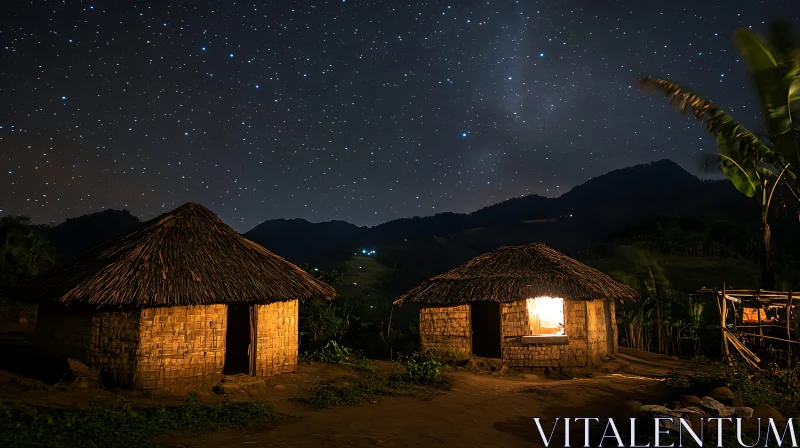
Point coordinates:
[[357, 107]]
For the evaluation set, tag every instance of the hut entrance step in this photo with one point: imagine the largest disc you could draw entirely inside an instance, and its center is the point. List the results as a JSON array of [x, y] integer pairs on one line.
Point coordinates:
[[242, 382], [485, 365]]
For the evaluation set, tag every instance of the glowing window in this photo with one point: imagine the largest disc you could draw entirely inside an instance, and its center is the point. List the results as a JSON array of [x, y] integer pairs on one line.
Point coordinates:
[[546, 316]]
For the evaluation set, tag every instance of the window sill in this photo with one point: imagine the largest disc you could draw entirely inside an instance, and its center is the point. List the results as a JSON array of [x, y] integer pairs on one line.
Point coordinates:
[[545, 340]]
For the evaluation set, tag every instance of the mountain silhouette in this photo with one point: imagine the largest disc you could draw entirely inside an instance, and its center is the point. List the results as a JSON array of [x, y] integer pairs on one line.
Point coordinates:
[[76, 235], [586, 214]]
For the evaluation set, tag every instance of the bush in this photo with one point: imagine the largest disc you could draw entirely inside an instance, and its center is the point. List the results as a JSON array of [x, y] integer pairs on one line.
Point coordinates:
[[333, 353], [121, 424], [422, 368], [320, 321]]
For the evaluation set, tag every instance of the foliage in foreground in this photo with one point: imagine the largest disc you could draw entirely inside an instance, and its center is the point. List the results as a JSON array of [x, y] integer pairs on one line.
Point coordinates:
[[756, 165], [333, 353], [773, 385], [421, 377], [422, 368], [122, 424], [24, 251]]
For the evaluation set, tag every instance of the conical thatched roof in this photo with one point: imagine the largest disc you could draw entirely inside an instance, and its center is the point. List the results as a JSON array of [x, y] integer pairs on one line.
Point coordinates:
[[186, 257], [512, 273]]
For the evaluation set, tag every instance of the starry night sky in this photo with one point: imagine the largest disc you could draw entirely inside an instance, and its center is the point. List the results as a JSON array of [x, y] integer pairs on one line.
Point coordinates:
[[364, 111]]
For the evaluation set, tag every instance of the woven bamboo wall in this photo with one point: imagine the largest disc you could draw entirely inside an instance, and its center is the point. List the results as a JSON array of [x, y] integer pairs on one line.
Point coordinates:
[[181, 347], [446, 329], [106, 341], [277, 338], [614, 327], [64, 332], [596, 324], [114, 343], [515, 324]]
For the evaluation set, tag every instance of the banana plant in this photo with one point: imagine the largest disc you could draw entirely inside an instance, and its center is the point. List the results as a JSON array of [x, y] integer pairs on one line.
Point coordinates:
[[754, 165]]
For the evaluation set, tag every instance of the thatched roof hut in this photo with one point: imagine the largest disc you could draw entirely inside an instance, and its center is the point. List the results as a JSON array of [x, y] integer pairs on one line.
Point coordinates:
[[510, 272], [185, 257], [530, 305], [174, 304]]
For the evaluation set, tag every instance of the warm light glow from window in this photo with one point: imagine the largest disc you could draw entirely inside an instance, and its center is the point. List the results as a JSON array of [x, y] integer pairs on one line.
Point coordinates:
[[546, 315]]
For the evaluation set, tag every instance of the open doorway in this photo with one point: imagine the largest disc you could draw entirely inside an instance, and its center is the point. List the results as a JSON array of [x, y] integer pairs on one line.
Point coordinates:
[[238, 339], [608, 309], [486, 333]]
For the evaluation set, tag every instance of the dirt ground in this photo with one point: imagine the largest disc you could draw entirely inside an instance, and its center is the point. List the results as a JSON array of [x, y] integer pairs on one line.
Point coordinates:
[[484, 409], [481, 410]]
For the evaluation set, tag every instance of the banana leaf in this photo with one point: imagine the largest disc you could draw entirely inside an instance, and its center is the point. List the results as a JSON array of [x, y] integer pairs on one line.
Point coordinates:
[[761, 62], [794, 101], [737, 165]]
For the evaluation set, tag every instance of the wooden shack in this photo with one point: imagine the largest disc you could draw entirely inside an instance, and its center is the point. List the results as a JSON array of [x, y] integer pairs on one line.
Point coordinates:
[[531, 306], [174, 305], [757, 322]]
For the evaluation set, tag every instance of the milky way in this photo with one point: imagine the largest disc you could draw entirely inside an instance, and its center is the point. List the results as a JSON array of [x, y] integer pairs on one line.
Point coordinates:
[[353, 110]]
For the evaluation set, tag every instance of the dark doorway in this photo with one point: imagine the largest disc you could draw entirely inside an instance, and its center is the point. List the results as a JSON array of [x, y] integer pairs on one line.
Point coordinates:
[[237, 339], [486, 333], [609, 326]]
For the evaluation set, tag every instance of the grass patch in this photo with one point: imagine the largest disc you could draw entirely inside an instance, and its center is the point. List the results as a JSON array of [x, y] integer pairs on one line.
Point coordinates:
[[417, 376], [121, 424], [357, 389]]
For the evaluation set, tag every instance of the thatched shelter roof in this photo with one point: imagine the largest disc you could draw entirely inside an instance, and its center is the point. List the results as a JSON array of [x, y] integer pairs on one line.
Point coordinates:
[[186, 257], [515, 272]]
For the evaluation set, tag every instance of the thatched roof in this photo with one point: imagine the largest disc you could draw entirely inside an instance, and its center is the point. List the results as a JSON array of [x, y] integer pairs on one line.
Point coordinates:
[[186, 257], [513, 273]]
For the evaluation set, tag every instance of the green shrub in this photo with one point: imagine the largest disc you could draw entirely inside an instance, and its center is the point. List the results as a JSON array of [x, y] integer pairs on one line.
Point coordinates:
[[121, 424], [421, 368], [333, 353]]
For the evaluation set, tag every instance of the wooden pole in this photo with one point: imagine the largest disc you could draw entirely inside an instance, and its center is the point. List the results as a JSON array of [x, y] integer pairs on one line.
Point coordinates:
[[788, 325], [767, 337], [723, 311], [758, 314]]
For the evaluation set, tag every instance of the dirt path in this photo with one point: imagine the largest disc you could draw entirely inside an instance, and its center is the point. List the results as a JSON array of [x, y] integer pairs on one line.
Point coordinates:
[[481, 410]]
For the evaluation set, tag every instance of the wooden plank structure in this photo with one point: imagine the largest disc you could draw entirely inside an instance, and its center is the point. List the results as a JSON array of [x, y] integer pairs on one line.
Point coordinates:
[[750, 315]]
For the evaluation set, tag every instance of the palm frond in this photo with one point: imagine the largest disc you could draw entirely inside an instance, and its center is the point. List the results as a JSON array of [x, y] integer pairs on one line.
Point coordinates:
[[717, 120]]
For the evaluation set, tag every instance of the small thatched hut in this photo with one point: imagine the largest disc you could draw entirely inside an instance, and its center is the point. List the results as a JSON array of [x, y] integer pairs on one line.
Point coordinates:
[[530, 305], [174, 305]]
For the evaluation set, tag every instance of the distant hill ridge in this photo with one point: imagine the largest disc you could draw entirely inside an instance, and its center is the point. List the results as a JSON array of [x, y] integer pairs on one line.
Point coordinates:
[[597, 207]]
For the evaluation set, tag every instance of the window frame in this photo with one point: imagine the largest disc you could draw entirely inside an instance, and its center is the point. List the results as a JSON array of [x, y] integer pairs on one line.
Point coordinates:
[[548, 339]]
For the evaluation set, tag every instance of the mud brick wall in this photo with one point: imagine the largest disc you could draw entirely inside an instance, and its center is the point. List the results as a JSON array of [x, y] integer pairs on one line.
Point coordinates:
[[446, 329], [515, 325], [181, 347], [64, 332], [277, 338]]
